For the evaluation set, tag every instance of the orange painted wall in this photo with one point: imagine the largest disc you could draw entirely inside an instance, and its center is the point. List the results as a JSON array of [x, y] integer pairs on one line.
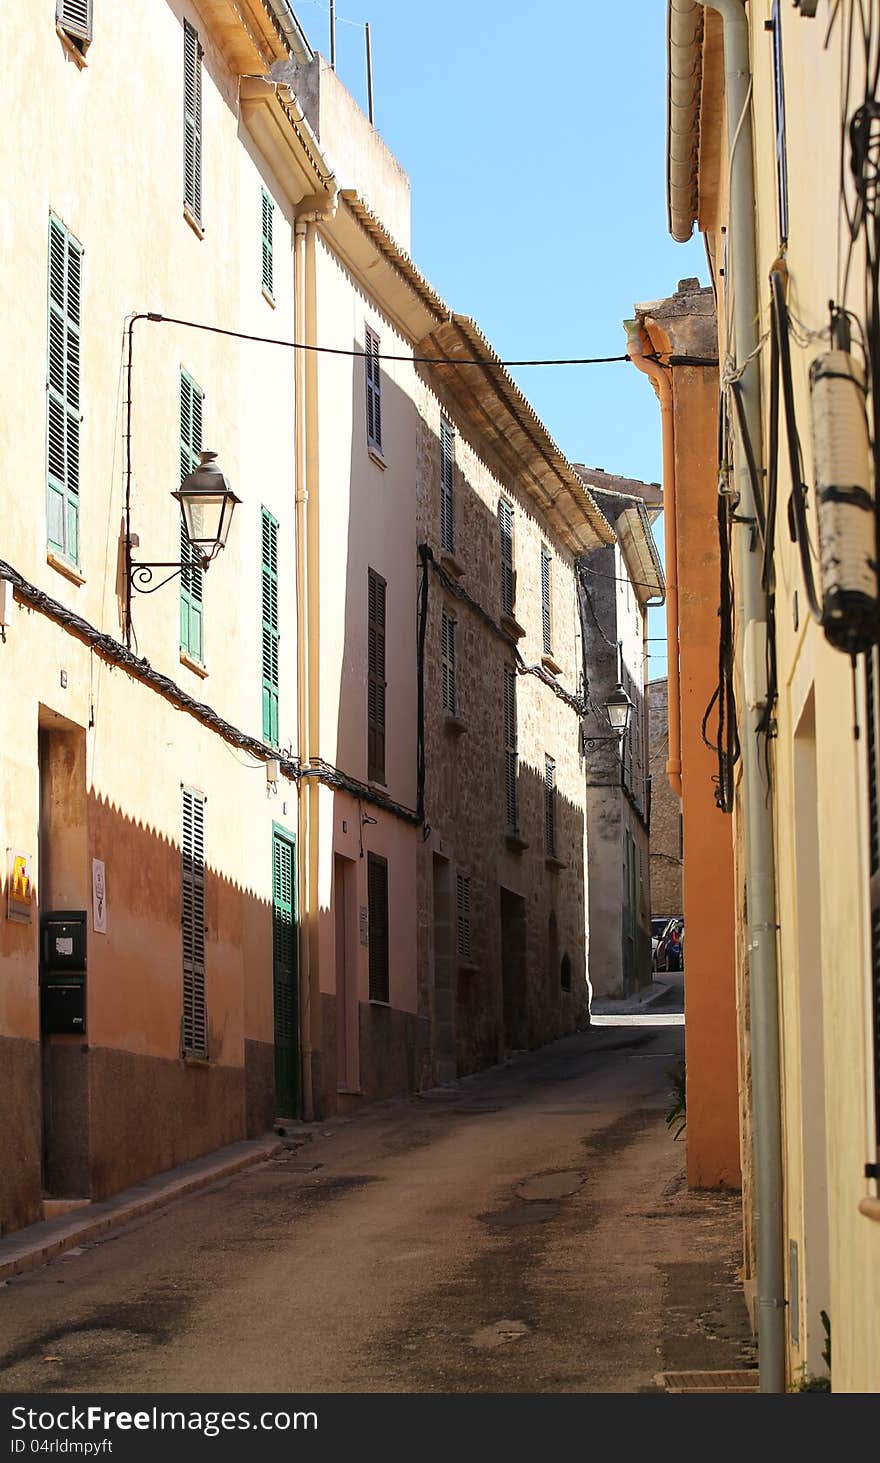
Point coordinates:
[[713, 1145]]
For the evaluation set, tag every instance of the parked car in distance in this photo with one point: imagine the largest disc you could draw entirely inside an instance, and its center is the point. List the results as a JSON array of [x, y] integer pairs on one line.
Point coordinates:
[[669, 949], [658, 926]]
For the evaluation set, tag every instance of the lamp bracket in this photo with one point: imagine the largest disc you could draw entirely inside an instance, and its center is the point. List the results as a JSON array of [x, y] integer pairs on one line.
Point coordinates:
[[142, 576]]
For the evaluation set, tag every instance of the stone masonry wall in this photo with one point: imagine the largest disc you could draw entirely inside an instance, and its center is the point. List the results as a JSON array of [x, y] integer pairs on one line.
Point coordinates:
[[527, 911], [666, 893]]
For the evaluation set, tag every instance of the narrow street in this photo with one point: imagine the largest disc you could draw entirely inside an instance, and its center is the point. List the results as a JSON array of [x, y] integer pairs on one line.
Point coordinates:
[[527, 1230]]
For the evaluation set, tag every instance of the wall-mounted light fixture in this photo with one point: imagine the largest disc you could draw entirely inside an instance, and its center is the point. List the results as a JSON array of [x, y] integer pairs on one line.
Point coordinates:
[[618, 709], [207, 504]]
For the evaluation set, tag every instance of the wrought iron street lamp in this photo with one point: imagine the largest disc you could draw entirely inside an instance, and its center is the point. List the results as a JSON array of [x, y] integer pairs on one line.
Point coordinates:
[[207, 504], [618, 709]]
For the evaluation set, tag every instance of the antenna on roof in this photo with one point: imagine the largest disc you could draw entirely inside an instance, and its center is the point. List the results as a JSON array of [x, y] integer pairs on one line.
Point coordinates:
[[369, 74], [333, 35]]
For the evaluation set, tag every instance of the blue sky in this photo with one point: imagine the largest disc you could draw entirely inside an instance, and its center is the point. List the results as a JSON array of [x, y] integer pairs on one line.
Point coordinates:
[[534, 138]]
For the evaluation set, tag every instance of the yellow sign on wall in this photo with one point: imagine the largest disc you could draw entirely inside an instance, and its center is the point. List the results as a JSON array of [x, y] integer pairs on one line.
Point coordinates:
[[19, 885]]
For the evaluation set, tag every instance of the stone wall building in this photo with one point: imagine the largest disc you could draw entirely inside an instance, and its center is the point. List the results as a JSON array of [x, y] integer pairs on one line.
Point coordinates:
[[666, 893]]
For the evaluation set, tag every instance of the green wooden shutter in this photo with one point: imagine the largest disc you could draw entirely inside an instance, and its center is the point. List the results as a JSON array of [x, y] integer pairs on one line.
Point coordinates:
[[191, 574], [284, 981], [269, 574], [268, 216], [63, 419], [377, 900], [550, 806], [463, 916], [192, 121], [194, 1030]]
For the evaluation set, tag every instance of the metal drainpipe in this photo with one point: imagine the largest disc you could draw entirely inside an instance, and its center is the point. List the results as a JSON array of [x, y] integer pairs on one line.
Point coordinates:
[[660, 375], [752, 608], [307, 216]]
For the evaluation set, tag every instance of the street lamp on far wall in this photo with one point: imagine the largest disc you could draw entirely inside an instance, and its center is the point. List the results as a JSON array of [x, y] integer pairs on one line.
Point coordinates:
[[618, 709]]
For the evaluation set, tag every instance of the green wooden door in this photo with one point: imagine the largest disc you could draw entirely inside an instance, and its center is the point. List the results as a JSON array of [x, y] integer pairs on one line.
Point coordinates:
[[284, 977]]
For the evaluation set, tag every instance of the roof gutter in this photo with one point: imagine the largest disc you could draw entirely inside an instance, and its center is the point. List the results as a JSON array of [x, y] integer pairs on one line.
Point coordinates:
[[291, 30], [684, 73]]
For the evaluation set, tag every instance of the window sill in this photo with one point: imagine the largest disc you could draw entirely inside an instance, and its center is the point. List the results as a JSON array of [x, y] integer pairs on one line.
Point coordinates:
[[554, 864], [376, 454], [551, 665], [191, 1060], [871, 1209], [71, 47], [454, 725], [512, 626], [376, 1001], [195, 224], [516, 843], [64, 566], [467, 967], [270, 299], [449, 562], [381, 787], [350, 1091], [197, 666]]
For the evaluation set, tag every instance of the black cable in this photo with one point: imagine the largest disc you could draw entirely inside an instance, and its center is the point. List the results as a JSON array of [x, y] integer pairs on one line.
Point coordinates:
[[797, 503], [424, 587]]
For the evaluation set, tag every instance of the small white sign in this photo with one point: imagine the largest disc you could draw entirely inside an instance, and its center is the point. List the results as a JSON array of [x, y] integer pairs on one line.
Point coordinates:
[[99, 898]]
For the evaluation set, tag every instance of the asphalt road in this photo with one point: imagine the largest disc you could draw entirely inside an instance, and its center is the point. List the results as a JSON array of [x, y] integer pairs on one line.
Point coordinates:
[[524, 1231]]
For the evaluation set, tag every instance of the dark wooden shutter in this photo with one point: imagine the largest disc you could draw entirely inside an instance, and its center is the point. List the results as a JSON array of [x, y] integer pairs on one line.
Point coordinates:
[[377, 898], [872, 679], [374, 390], [270, 635], [75, 17], [192, 121], [284, 966], [550, 806], [511, 759], [191, 574], [546, 619], [447, 662], [268, 220], [505, 525], [463, 914], [194, 1025], [376, 678], [779, 109], [63, 392], [447, 467]]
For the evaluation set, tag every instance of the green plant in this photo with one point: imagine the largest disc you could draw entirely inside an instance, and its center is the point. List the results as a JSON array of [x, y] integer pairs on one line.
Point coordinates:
[[676, 1115], [809, 1383]]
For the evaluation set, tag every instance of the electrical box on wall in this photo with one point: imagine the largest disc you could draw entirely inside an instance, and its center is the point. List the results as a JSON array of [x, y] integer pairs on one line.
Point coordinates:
[[6, 601]]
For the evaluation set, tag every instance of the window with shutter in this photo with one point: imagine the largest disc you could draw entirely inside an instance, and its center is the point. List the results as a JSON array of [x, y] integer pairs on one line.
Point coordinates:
[[268, 215], [194, 1025], [63, 392], [192, 121], [376, 677], [447, 662], [74, 17], [377, 900], [511, 757], [447, 466], [505, 525], [872, 740], [463, 913], [374, 390], [546, 617], [550, 806], [779, 109], [191, 574], [270, 635]]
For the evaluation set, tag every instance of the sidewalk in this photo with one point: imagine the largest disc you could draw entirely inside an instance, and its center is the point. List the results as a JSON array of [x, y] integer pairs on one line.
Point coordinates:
[[631, 1005], [38, 1243]]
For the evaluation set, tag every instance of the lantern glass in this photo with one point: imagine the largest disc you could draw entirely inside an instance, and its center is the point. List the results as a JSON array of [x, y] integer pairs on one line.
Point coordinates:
[[207, 503], [619, 709]]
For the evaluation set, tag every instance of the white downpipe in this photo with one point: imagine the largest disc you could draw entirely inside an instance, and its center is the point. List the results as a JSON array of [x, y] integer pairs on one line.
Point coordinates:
[[751, 610]]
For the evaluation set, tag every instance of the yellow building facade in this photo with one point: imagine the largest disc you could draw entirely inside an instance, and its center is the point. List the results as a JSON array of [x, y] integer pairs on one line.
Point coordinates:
[[768, 156]]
